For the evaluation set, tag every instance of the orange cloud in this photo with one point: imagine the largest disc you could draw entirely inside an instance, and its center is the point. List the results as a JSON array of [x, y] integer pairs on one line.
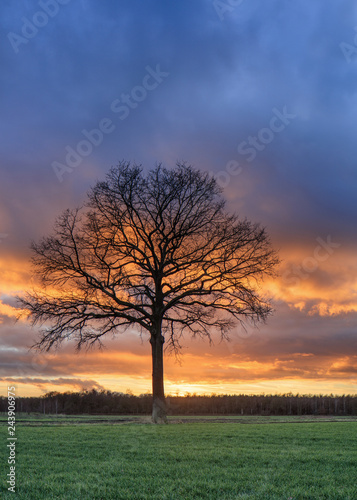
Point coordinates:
[[6, 310], [325, 287], [308, 345]]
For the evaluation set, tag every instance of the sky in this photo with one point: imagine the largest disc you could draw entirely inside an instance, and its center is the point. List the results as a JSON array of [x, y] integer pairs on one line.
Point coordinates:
[[263, 95]]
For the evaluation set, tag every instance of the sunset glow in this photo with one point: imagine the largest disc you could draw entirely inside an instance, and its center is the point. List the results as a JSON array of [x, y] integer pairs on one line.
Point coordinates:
[[216, 91]]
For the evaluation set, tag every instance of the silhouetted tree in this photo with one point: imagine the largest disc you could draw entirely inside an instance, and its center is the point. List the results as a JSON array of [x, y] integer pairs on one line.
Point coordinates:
[[158, 252]]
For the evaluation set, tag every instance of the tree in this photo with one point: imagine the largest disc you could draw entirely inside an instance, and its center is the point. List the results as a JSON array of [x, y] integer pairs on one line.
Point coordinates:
[[157, 252]]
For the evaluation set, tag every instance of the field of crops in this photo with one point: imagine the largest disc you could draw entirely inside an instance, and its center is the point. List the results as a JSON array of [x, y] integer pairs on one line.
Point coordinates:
[[69, 458]]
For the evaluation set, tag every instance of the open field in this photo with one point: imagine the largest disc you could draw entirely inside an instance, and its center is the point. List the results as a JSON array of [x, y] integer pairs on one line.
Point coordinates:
[[213, 460], [60, 419]]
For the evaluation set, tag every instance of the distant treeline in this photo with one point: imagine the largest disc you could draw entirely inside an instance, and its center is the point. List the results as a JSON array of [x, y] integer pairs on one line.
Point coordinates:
[[117, 403]]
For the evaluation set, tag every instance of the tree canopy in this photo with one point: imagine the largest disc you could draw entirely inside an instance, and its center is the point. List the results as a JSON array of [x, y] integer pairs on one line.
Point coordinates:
[[158, 252]]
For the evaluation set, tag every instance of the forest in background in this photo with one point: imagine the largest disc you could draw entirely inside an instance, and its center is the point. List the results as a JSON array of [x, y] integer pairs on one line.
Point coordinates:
[[104, 402]]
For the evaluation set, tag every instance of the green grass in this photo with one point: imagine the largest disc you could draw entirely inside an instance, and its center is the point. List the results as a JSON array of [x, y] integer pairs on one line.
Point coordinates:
[[43, 419], [183, 461]]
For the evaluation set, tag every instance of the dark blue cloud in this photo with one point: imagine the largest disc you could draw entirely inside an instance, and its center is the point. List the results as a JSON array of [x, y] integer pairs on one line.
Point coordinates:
[[225, 78], [227, 74]]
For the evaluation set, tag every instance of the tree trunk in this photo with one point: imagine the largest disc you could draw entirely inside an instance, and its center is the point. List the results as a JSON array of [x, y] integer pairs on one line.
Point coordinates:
[[159, 410]]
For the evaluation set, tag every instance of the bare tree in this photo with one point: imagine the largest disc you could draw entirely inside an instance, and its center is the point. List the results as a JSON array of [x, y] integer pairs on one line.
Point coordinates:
[[157, 252]]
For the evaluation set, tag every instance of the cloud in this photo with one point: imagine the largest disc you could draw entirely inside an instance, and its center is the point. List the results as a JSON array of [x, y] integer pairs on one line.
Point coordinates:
[[7, 310], [225, 79], [43, 384]]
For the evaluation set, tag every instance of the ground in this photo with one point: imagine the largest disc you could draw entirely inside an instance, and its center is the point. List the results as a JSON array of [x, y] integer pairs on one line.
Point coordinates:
[[194, 457]]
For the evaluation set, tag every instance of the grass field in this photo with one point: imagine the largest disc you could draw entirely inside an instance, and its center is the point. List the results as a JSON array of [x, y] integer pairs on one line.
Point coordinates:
[[213, 460]]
